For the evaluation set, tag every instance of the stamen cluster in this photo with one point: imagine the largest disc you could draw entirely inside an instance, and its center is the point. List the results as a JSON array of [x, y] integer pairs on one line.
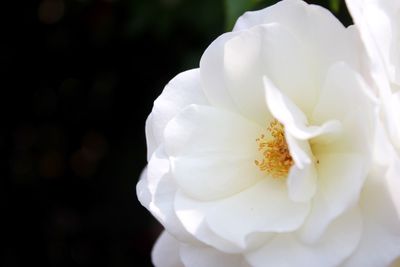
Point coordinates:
[[276, 155]]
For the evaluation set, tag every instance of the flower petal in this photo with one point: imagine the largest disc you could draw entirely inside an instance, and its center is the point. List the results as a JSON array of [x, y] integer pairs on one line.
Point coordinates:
[[266, 50], [213, 76], [393, 181], [191, 214], [288, 13], [156, 191], [180, 92], [343, 85], [302, 183], [299, 150], [242, 67], [337, 243], [318, 32], [142, 189], [391, 108], [166, 252], [380, 241], [233, 66], [263, 208], [378, 22], [209, 161], [340, 180], [151, 141], [210, 257], [293, 118], [326, 39]]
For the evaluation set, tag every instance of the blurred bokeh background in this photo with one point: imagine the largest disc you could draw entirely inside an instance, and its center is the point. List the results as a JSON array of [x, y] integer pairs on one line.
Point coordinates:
[[78, 79]]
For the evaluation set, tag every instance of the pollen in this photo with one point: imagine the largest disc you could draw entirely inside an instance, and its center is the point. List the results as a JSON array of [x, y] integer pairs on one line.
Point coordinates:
[[276, 159]]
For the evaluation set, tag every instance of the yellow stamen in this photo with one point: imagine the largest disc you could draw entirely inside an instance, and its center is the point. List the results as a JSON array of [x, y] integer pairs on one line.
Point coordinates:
[[276, 155]]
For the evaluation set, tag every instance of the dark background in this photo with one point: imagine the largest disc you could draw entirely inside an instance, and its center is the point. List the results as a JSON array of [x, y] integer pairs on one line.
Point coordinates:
[[78, 79]]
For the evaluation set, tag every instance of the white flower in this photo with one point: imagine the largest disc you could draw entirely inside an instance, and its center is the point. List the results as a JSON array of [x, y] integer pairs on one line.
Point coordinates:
[[379, 25], [262, 156]]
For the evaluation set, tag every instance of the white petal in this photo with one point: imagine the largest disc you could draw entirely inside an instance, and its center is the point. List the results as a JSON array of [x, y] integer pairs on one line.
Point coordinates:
[[266, 50], [340, 180], [180, 92], [233, 66], [209, 257], [380, 241], [393, 180], [192, 214], [288, 13], [343, 85], [302, 183], [299, 150], [151, 141], [212, 152], [324, 36], [157, 168], [337, 243], [396, 114], [213, 76], [156, 191], [384, 153], [294, 120], [357, 136], [263, 208], [378, 22], [151, 177], [166, 252], [285, 60], [243, 70], [391, 108], [169, 252], [216, 176], [142, 189]]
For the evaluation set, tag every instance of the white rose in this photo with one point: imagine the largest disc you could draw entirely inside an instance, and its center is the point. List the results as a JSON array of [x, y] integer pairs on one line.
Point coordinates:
[[378, 22], [262, 156], [379, 25]]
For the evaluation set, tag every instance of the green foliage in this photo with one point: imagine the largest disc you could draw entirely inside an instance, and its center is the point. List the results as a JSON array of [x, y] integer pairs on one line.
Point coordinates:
[[334, 5]]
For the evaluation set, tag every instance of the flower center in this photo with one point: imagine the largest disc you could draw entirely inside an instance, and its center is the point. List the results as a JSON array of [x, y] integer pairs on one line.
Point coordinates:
[[276, 159]]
